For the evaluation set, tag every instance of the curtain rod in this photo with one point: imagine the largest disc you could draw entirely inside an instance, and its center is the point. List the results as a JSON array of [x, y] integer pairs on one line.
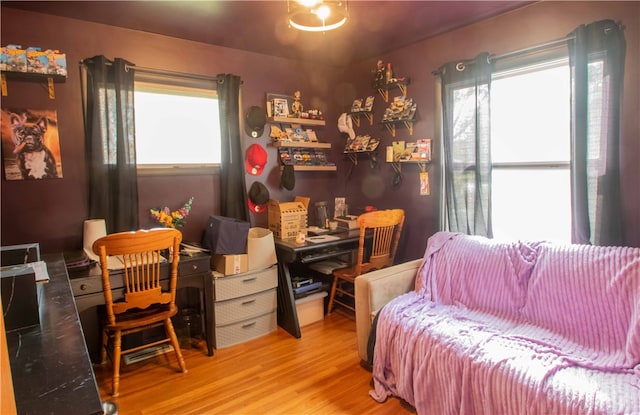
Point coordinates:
[[555, 42], [128, 67], [531, 48], [172, 73]]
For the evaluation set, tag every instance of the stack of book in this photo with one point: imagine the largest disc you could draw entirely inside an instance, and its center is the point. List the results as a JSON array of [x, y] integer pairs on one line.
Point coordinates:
[[303, 286]]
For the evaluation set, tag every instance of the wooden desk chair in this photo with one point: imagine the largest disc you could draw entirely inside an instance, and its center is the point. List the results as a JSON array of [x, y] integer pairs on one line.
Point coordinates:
[[384, 227], [145, 304]]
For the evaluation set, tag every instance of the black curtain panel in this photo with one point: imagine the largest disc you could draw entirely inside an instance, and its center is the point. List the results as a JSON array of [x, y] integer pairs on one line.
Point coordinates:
[[597, 56], [233, 192], [107, 88]]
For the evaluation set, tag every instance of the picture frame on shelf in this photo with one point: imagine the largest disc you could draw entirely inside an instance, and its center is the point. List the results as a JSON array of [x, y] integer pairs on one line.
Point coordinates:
[[278, 105]]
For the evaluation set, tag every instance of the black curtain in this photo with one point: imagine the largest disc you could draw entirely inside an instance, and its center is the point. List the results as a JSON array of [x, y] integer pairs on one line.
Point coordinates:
[[233, 193], [597, 56], [466, 145], [107, 88]]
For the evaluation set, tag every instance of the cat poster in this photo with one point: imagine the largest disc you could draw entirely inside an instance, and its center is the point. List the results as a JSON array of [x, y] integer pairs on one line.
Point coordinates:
[[30, 144]]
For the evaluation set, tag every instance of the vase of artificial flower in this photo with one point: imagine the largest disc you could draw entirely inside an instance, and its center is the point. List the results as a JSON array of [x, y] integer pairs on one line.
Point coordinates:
[[172, 219]]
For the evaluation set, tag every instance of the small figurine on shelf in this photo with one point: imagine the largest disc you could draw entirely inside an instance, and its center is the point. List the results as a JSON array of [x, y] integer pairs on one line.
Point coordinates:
[[389, 74], [296, 106], [379, 78]]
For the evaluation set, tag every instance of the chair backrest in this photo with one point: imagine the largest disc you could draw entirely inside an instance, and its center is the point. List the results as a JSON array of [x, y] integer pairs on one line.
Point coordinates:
[[384, 228], [140, 252]]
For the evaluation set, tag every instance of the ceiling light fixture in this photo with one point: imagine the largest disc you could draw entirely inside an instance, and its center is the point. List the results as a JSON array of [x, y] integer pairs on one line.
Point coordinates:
[[317, 15]]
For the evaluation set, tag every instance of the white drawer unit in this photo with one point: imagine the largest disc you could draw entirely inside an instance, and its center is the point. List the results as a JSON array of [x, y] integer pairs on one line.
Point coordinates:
[[245, 306]]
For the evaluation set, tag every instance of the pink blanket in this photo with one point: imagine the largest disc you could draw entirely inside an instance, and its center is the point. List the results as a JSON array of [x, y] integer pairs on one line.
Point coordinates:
[[513, 328]]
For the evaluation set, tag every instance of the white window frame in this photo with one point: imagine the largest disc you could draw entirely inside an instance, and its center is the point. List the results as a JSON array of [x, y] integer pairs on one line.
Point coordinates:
[[160, 82], [517, 69]]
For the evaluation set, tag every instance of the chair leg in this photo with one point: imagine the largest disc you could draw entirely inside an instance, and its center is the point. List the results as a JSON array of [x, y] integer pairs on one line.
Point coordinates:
[[332, 295], [117, 349], [176, 345], [105, 344]]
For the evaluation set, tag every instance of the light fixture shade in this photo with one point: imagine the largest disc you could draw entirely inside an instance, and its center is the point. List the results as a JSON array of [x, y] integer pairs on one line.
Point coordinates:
[[317, 16]]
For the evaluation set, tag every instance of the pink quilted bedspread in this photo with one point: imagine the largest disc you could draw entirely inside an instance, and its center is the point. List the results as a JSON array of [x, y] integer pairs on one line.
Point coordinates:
[[514, 328]]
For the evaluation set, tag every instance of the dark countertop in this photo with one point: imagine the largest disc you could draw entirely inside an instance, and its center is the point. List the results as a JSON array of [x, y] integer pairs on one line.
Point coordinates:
[[50, 366]]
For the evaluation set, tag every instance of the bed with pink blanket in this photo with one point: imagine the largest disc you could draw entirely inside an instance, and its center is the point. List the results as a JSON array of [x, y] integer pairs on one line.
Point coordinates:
[[514, 328]]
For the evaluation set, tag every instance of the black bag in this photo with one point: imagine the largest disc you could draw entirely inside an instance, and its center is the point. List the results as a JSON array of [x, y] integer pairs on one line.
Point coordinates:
[[226, 236]]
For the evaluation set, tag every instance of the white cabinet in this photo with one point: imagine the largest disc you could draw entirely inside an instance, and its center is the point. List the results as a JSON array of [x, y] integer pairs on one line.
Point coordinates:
[[245, 306]]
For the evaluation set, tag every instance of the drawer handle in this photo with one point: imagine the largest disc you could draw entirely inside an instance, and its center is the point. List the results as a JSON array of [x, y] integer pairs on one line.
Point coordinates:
[[83, 287], [248, 325], [195, 267], [249, 302], [249, 279]]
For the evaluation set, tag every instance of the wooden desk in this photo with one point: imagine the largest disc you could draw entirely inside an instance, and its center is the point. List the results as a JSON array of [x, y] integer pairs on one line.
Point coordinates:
[[50, 366], [289, 252], [193, 271]]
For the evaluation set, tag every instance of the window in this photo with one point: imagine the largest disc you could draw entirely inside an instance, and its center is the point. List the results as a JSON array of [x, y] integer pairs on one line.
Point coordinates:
[[530, 152], [177, 123]]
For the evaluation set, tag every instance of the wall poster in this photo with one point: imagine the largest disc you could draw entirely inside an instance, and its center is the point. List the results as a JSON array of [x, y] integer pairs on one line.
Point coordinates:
[[30, 144]]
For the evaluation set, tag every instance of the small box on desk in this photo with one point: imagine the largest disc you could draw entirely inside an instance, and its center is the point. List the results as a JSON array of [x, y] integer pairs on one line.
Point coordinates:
[[230, 264], [287, 219], [347, 222]]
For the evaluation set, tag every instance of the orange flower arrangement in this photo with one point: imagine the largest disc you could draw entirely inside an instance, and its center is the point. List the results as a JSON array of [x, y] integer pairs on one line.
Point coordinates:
[[169, 219]]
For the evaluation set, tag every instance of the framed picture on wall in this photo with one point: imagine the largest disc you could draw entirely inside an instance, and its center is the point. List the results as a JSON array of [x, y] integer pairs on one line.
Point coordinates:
[[30, 144]]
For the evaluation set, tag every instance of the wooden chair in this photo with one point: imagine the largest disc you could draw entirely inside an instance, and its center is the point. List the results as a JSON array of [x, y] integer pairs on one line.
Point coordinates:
[[145, 304], [379, 235]]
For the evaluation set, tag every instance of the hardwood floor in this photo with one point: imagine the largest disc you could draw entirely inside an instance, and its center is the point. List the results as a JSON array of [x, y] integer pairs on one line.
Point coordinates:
[[275, 374]]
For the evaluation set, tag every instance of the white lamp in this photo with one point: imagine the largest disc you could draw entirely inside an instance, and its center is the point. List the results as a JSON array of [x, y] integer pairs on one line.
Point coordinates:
[[317, 15]]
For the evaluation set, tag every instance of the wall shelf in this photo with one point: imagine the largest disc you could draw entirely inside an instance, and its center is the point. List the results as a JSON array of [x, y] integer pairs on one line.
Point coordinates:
[[291, 120], [353, 155], [397, 165], [355, 116], [301, 144], [401, 85], [391, 126], [313, 168], [32, 77]]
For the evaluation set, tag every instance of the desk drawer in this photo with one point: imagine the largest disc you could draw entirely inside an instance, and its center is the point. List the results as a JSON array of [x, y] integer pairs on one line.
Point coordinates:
[[234, 286], [193, 265], [232, 311], [245, 330]]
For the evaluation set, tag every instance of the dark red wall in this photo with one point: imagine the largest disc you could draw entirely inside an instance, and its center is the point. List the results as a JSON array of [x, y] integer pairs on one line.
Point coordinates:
[[52, 211]]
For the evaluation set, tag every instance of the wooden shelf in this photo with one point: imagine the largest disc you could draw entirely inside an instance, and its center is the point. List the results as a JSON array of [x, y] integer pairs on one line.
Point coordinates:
[[391, 126], [301, 144], [50, 79], [353, 155], [291, 120], [423, 164], [313, 168], [33, 76], [355, 116], [401, 85]]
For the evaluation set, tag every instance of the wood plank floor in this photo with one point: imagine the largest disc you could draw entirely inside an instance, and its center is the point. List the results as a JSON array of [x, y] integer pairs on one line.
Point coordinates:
[[275, 374]]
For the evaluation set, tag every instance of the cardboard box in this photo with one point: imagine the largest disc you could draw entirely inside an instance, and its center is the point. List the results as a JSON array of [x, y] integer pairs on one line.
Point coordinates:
[[310, 309], [287, 219], [230, 264]]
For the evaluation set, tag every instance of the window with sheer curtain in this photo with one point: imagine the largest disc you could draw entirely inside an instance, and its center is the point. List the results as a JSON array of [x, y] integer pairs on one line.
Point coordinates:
[[531, 140]]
